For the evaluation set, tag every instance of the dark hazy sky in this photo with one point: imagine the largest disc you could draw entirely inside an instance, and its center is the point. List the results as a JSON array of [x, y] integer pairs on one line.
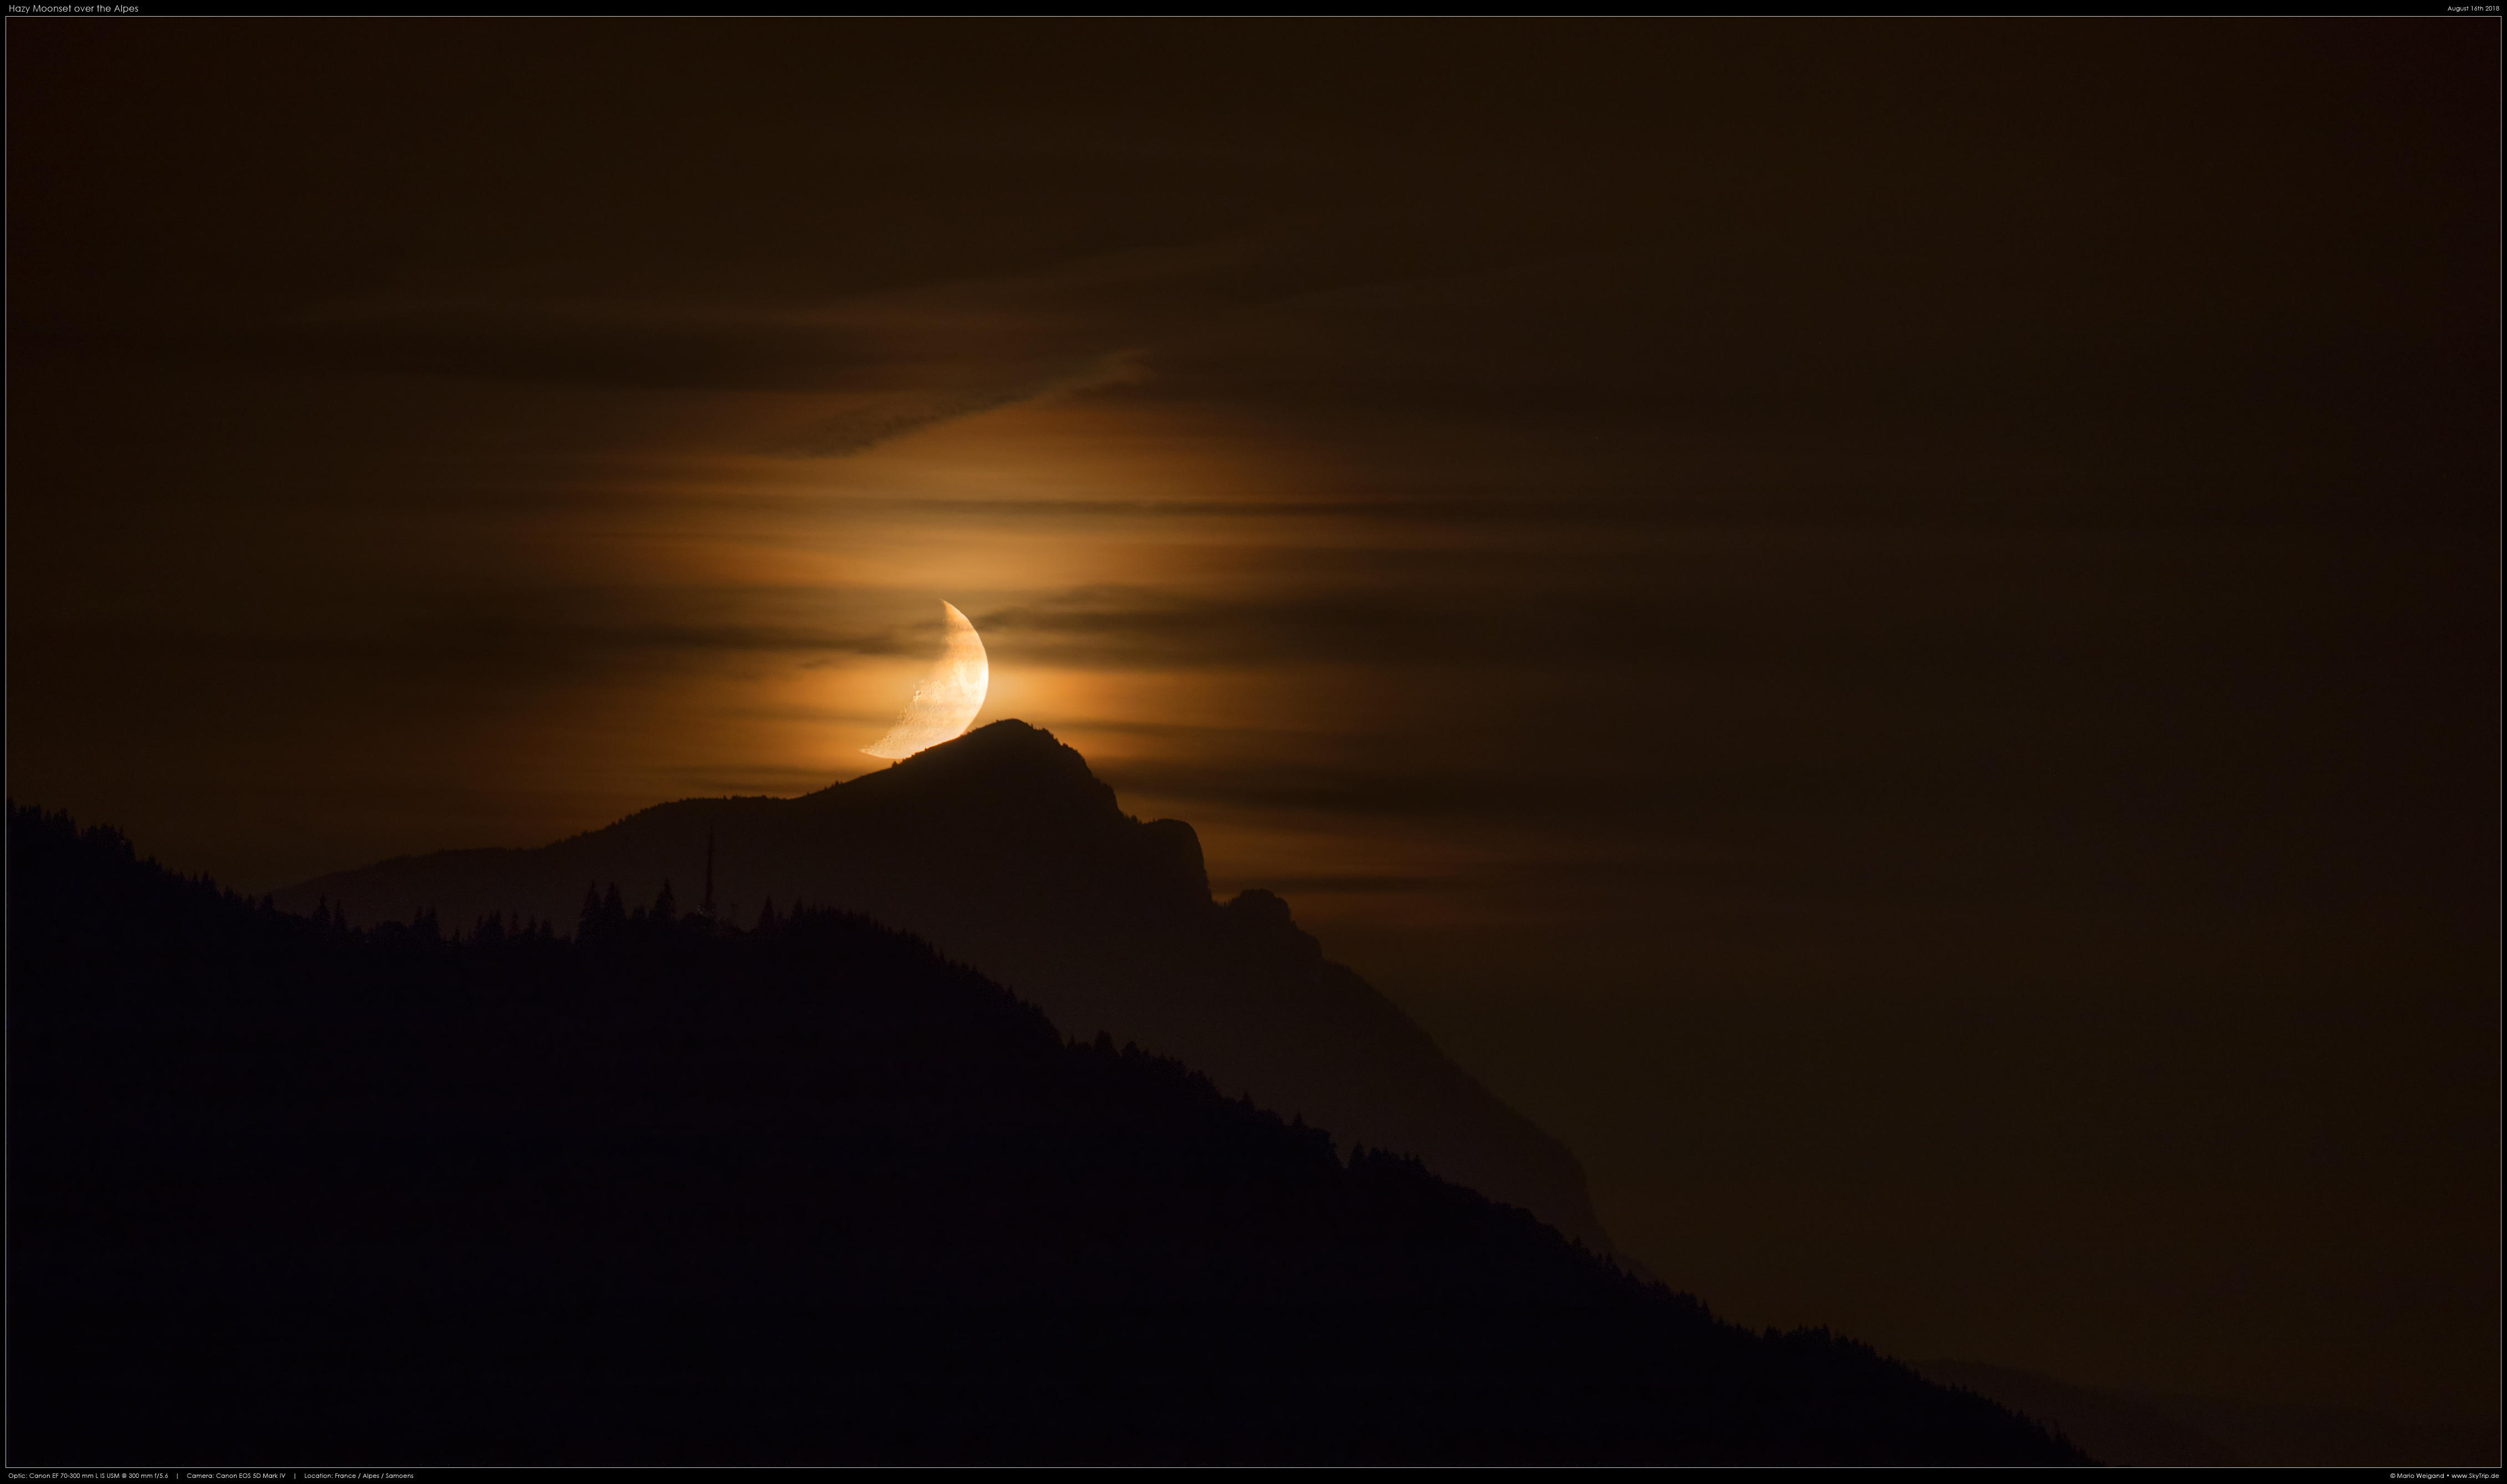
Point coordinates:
[[1889, 627]]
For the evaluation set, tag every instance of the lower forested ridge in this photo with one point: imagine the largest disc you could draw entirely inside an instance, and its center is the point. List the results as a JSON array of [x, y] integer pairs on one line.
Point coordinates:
[[664, 1190]]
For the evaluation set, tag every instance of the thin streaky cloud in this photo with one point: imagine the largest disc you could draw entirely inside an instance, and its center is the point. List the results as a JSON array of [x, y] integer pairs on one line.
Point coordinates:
[[860, 429]]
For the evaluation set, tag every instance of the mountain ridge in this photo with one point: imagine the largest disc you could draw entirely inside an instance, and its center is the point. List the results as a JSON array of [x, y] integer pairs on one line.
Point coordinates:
[[1006, 852], [285, 1192]]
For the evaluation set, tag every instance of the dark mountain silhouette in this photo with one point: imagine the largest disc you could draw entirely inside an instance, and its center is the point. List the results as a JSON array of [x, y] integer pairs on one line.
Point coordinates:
[[2164, 1428], [1006, 853], [2117, 1428], [283, 1192]]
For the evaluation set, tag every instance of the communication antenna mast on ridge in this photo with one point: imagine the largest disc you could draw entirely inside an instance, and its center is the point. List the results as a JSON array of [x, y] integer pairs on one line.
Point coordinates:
[[708, 904]]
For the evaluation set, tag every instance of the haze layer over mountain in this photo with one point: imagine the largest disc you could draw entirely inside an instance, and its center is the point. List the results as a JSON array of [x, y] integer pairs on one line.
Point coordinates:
[[1008, 854]]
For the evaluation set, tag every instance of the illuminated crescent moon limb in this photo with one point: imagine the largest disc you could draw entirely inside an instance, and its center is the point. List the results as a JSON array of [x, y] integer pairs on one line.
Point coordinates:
[[947, 698]]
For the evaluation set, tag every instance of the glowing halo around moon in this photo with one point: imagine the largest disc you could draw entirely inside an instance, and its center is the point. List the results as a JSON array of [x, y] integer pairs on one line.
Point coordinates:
[[947, 698]]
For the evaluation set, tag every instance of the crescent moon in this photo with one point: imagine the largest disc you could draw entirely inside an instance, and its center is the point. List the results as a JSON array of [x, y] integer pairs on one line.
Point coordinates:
[[947, 697]]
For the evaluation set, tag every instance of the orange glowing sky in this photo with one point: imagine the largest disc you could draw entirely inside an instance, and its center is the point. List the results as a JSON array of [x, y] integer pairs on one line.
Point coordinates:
[[1888, 628]]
